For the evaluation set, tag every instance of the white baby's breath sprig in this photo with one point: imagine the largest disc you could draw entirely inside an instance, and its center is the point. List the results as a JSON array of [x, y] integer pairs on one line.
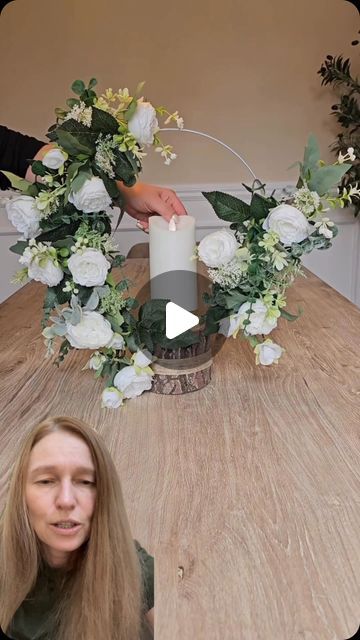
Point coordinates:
[[81, 113]]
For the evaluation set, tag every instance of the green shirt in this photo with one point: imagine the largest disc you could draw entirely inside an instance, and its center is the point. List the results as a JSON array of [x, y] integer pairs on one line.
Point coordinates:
[[32, 620]]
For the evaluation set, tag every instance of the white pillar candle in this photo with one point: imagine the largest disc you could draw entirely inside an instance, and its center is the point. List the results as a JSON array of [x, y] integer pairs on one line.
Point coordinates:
[[172, 266]]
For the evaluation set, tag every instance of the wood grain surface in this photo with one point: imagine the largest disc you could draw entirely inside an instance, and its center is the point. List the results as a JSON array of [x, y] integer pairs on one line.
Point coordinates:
[[247, 492]]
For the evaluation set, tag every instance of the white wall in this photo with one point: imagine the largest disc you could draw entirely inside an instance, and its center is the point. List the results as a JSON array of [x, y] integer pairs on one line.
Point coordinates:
[[338, 266]]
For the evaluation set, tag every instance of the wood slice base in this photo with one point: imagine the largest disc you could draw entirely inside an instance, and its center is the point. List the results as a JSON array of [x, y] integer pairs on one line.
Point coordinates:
[[179, 383], [183, 370]]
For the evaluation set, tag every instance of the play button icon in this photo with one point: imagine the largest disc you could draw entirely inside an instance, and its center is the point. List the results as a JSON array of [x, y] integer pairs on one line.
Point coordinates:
[[178, 320]]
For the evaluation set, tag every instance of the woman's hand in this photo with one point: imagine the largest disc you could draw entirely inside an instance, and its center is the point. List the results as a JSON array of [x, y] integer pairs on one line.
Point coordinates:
[[145, 200]]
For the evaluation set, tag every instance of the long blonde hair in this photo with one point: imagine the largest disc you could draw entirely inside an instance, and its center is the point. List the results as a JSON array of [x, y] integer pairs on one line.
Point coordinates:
[[103, 597]]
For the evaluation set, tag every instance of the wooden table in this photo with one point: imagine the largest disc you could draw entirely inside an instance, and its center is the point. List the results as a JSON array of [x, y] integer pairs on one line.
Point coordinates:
[[247, 492]]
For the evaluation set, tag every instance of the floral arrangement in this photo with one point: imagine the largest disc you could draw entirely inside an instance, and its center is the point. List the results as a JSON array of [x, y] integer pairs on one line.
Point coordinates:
[[66, 225], [252, 264]]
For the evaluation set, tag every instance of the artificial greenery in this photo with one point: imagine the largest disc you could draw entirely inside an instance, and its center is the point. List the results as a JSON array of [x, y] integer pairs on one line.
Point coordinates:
[[337, 72]]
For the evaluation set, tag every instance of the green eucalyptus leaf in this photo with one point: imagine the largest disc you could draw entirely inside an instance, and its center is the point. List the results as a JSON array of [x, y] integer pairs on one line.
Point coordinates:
[[93, 301], [311, 154], [78, 87], [325, 178], [92, 83], [60, 329]]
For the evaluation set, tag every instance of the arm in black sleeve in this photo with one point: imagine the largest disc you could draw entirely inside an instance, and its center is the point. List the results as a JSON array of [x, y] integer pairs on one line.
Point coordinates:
[[16, 149]]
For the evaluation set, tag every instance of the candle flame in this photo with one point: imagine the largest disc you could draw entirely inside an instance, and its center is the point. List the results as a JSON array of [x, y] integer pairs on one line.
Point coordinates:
[[172, 223]]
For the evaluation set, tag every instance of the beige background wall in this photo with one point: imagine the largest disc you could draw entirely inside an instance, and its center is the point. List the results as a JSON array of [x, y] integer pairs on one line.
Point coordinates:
[[243, 71]]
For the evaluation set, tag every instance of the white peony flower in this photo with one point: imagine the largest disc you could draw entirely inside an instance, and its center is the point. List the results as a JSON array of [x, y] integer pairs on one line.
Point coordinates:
[[218, 248], [92, 332], [144, 124], [89, 267], [268, 352], [259, 323], [141, 359], [54, 159], [46, 272], [116, 342], [96, 361], [91, 197], [132, 384], [289, 223], [111, 398], [24, 215]]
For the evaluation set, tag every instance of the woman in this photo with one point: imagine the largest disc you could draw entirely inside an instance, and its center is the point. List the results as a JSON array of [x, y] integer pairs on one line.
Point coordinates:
[[69, 568], [141, 201]]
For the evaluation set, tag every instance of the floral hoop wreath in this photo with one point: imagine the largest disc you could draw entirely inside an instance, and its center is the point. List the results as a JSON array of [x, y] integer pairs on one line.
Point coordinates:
[[66, 225]]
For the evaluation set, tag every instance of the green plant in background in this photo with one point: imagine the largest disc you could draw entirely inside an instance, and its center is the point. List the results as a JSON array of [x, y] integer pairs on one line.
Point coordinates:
[[337, 72]]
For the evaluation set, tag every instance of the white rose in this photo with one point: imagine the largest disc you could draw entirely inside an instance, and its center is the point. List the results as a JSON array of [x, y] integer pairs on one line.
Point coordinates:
[[24, 215], [47, 273], [217, 248], [91, 197], [116, 342], [92, 332], [141, 359], [143, 124], [54, 159], [258, 321], [96, 361], [111, 398], [89, 268], [268, 352], [132, 384], [289, 223]]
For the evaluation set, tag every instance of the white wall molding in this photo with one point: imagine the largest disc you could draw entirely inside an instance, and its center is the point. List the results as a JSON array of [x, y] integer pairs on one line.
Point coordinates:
[[339, 266]]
